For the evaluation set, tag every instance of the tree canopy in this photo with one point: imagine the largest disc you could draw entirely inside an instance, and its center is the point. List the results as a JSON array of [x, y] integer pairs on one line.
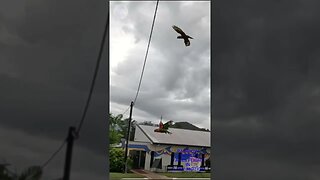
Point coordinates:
[[31, 173]]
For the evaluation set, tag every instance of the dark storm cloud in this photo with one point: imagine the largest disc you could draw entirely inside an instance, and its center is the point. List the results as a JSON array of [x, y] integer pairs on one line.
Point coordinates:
[[266, 90], [23, 149], [55, 38], [48, 54]]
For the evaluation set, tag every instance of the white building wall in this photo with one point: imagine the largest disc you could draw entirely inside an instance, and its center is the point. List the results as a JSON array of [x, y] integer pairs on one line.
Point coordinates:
[[147, 161], [166, 158], [141, 138], [165, 162]]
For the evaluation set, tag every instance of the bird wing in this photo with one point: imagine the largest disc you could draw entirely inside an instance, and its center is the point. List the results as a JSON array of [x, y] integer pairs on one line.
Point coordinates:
[[178, 30], [186, 42]]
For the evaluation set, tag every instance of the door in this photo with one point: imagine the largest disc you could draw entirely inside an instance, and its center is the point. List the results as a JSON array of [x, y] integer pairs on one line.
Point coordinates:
[[138, 158], [142, 159]]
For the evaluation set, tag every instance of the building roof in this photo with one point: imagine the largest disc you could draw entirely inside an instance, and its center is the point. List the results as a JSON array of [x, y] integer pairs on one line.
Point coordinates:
[[178, 136]]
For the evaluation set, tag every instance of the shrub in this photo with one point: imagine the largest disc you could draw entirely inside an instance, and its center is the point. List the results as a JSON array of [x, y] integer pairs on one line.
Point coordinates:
[[116, 156]]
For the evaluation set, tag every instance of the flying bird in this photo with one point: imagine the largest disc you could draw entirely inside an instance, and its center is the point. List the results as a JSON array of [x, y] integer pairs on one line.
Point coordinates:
[[182, 35]]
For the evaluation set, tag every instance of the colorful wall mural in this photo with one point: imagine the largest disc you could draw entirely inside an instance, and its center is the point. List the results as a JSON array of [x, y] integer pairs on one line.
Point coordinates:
[[191, 157]]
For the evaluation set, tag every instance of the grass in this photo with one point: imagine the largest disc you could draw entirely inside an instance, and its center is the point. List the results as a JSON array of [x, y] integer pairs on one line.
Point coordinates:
[[118, 176], [186, 175]]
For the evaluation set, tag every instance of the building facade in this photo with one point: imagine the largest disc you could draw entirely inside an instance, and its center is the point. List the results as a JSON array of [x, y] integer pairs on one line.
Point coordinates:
[[180, 150]]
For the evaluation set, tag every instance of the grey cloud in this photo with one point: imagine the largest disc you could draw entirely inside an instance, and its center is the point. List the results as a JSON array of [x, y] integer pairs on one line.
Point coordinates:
[[48, 52], [173, 72], [34, 150], [265, 82]]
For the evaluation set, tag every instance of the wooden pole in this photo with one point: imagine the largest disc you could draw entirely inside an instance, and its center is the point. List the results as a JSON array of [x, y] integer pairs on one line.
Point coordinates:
[[128, 135]]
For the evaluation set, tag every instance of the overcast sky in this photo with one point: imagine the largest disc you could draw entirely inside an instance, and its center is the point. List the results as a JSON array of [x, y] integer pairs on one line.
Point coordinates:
[[176, 80], [266, 90], [48, 51], [265, 84]]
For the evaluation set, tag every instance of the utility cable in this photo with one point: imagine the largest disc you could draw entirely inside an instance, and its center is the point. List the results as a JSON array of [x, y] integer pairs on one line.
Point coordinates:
[[124, 112], [89, 96], [94, 77], [145, 58], [54, 154]]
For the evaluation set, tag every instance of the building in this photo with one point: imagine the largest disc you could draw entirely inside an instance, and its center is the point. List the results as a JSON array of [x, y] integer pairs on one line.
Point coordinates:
[[181, 150]]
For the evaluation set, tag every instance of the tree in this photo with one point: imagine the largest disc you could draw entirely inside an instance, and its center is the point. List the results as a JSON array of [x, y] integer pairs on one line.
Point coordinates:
[[116, 128], [31, 173], [147, 123], [4, 172], [116, 159], [116, 122]]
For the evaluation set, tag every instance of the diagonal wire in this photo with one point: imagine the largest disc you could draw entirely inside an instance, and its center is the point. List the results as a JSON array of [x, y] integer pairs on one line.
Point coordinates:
[[54, 154], [94, 77], [124, 112], [89, 96], [145, 58]]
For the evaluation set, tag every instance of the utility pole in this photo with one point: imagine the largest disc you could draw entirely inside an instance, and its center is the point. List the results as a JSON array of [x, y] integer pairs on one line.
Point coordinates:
[[67, 165], [128, 134]]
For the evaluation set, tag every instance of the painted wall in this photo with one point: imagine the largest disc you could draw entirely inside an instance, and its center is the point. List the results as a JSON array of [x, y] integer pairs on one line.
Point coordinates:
[[189, 160]]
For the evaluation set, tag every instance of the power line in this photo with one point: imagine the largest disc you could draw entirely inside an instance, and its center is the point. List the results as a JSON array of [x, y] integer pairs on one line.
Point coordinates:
[[89, 96], [145, 58], [53, 155], [94, 76], [124, 112]]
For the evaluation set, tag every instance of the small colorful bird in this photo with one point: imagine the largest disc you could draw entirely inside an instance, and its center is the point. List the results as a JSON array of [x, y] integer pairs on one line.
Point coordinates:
[[182, 36]]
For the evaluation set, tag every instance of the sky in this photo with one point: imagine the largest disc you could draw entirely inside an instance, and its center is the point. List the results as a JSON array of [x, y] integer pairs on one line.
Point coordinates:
[[48, 52], [266, 90], [176, 80], [265, 83]]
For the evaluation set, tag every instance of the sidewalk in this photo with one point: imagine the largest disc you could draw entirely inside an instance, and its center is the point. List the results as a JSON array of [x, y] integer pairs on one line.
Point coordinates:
[[149, 174]]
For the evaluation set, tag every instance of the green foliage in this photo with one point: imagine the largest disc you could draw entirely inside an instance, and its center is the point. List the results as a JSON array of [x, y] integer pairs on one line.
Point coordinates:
[[116, 128], [31, 173], [130, 163], [148, 123], [116, 158], [114, 136], [4, 173]]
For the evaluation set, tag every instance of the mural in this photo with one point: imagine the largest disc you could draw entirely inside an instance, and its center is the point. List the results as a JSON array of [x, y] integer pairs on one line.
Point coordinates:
[[190, 158], [139, 147]]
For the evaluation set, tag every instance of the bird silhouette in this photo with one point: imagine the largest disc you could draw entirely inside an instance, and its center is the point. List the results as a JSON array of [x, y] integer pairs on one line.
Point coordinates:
[[182, 35]]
